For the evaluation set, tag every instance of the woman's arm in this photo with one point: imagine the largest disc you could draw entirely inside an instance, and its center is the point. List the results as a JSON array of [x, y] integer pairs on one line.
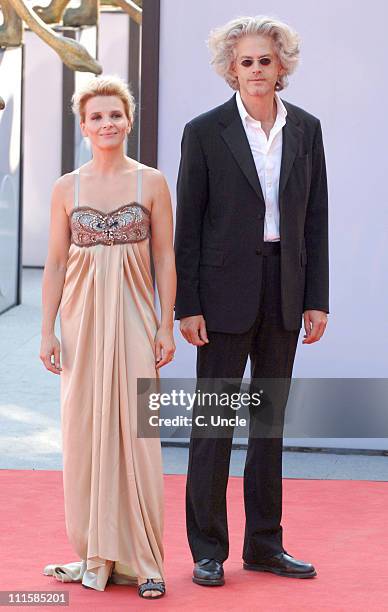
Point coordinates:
[[164, 263], [54, 272]]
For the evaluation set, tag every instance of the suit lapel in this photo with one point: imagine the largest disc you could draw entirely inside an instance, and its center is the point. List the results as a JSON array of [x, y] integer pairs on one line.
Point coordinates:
[[236, 139], [290, 146]]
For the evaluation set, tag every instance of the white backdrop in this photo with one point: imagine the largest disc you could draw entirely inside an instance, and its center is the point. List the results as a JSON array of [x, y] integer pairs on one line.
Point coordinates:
[[11, 68], [341, 79], [42, 140]]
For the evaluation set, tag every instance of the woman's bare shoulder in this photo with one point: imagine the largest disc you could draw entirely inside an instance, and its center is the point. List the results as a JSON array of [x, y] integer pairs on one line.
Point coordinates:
[[153, 176], [65, 182], [63, 191]]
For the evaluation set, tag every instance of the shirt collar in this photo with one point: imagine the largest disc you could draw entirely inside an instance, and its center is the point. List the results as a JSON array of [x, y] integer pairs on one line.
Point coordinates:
[[245, 116]]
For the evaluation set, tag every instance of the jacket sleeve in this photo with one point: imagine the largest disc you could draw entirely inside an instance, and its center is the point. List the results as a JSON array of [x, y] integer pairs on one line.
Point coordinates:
[[316, 295], [192, 196]]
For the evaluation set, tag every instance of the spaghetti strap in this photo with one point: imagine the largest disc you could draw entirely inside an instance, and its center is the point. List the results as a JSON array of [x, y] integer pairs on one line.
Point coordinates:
[[76, 188], [139, 183]]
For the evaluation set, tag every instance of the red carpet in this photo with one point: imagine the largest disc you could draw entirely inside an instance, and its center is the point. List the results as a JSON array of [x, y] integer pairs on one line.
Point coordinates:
[[340, 526]]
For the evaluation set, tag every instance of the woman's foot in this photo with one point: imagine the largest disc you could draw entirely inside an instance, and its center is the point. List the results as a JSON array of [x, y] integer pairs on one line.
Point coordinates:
[[152, 588]]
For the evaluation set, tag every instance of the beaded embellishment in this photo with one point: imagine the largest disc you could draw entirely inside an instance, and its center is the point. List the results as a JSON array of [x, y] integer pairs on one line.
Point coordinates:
[[128, 223]]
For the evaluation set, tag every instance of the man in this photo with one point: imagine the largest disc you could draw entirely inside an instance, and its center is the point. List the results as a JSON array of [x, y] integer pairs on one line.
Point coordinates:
[[252, 260]]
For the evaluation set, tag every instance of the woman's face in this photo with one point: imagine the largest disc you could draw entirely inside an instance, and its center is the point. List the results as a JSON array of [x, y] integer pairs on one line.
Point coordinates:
[[256, 66], [106, 124]]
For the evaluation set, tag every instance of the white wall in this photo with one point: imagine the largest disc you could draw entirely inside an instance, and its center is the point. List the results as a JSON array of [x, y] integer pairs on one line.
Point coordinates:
[[42, 139], [11, 66], [113, 42], [341, 80]]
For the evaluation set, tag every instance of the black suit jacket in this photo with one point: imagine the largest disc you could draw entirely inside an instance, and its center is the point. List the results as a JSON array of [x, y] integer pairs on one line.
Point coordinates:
[[220, 221]]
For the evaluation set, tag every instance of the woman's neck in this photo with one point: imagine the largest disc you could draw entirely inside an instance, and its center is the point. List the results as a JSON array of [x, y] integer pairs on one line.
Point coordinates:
[[108, 162]]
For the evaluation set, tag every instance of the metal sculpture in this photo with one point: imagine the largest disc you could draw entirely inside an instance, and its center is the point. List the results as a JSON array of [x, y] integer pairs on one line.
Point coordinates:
[[71, 52], [86, 13]]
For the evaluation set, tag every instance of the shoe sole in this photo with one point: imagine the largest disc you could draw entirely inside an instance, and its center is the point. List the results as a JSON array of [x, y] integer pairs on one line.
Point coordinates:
[[263, 568], [204, 582]]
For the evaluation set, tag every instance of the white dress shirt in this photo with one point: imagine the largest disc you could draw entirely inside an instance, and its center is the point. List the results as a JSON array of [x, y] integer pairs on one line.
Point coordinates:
[[267, 155]]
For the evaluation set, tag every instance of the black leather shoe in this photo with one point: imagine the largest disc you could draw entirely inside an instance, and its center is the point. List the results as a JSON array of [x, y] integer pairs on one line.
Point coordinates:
[[283, 565], [208, 572]]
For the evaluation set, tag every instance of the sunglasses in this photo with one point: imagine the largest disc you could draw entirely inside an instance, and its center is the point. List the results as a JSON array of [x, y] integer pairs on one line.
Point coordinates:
[[263, 61]]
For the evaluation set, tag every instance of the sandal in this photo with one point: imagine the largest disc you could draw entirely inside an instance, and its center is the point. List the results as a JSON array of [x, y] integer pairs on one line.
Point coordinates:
[[151, 585]]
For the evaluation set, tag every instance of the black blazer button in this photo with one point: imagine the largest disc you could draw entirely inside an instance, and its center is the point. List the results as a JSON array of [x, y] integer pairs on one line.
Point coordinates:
[[259, 251], [261, 216]]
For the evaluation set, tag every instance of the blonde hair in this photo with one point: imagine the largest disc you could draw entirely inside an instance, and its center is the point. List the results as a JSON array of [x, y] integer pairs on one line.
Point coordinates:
[[108, 85], [222, 43]]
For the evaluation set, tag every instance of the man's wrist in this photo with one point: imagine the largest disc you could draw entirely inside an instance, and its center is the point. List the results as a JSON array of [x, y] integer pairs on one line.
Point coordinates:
[[190, 314], [320, 308]]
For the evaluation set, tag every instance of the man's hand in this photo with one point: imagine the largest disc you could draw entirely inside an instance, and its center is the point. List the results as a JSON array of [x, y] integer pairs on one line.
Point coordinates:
[[193, 329], [315, 322]]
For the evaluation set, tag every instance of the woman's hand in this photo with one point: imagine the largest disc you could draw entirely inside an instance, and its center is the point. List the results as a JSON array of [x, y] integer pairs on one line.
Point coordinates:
[[164, 347], [50, 347]]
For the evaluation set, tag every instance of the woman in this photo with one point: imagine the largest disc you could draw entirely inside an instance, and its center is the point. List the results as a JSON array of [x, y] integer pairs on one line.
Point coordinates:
[[103, 217]]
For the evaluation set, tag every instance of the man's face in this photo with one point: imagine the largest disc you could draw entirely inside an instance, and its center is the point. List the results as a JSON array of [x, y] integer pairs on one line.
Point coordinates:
[[256, 65]]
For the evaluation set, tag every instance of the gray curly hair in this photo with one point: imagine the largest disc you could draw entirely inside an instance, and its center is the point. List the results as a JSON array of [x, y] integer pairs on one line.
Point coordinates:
[[222, 43]]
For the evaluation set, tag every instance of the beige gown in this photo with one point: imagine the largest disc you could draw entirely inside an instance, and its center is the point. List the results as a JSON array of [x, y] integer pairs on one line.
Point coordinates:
[[113, 487]]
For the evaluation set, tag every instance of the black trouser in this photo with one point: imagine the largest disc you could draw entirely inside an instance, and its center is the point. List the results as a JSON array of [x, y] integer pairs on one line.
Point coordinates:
[[272, 351]]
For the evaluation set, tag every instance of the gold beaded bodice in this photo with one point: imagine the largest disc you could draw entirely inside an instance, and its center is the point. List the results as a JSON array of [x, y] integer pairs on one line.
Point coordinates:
[[129, 223], [125, 224]]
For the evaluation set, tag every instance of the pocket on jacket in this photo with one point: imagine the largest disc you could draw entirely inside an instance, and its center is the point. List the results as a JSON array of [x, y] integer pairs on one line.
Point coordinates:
[[211, 257]]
